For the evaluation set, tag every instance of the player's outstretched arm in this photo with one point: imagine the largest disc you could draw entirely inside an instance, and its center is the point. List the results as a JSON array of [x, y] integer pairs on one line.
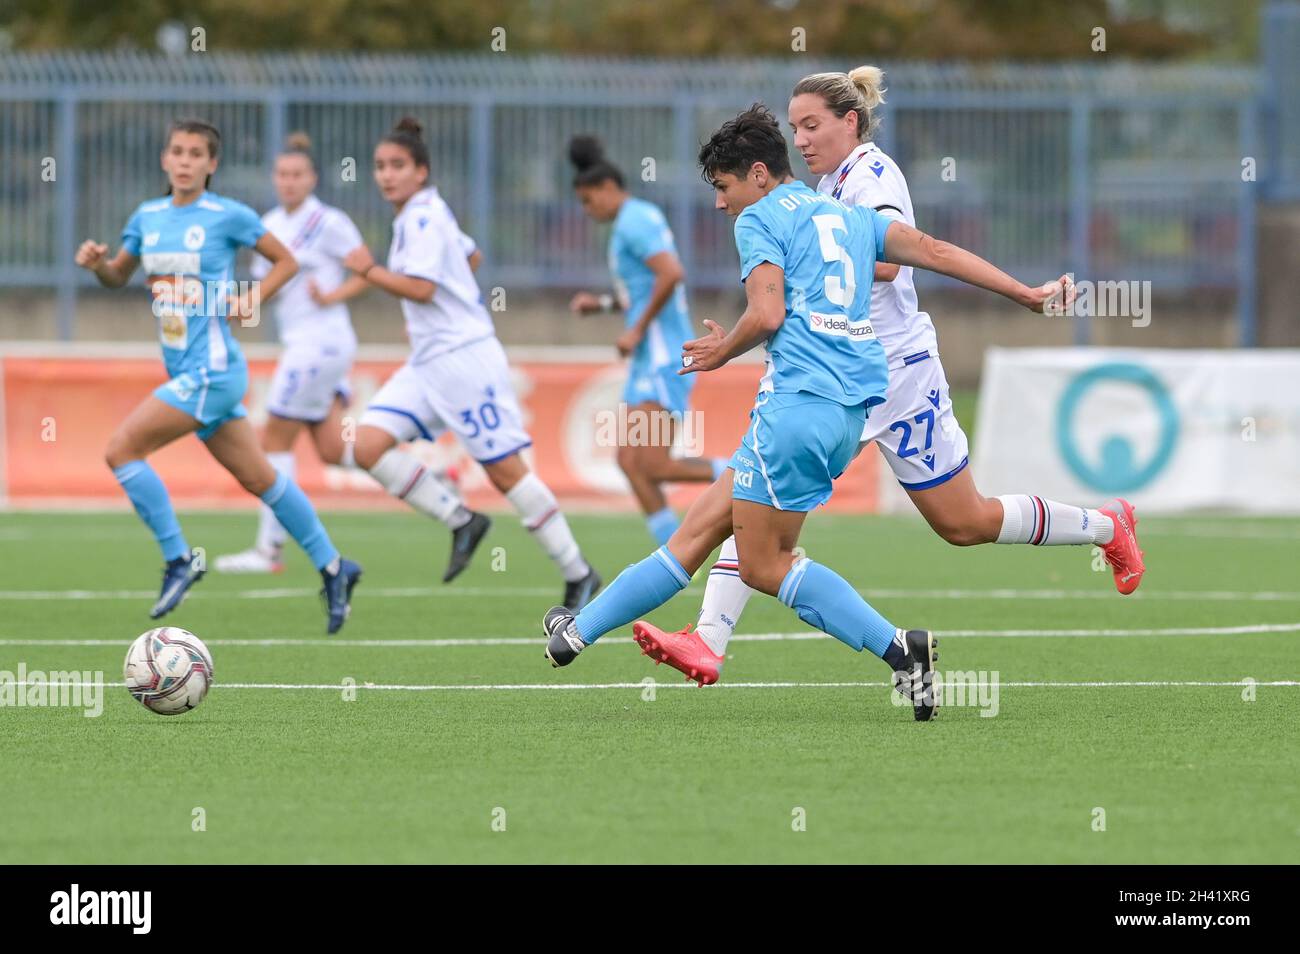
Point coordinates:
[[362, 262], [764, 313], [905, 245], [112, 273]]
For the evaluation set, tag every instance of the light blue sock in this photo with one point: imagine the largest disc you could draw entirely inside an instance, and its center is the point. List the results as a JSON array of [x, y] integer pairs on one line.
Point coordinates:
[[149, 496], [662, 524], [824, 599], [720, 464], [295, 512], [638, 589]]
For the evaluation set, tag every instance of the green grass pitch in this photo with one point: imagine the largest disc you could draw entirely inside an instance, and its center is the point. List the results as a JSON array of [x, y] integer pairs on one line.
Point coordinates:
[[288, 771]]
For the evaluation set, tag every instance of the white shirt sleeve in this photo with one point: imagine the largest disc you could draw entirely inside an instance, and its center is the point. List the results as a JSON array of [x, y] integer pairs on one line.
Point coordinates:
[[468, 245], [423, 248], [341, 235]]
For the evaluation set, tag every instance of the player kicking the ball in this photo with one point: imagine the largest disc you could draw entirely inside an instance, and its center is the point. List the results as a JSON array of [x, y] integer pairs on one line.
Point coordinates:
[[801, 253], [831, 115]]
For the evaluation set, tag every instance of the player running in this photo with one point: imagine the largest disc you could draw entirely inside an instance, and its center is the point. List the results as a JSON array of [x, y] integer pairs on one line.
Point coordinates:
[[649, 288], [309, 389], [831, 115], [187, 241], [802, 254], [456, 378]]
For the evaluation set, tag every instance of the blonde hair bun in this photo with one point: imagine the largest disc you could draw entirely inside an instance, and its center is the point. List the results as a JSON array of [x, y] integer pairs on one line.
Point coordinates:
[[868, 80]]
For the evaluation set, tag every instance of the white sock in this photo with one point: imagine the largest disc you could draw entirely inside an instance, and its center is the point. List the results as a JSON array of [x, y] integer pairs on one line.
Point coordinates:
[[348, 458], [270, 533], [407, 479], [1042, 522], [725, 597], [541, 516]]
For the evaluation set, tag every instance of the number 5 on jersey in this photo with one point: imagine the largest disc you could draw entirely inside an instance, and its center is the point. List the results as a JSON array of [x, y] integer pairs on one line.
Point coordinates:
[[838, 292]]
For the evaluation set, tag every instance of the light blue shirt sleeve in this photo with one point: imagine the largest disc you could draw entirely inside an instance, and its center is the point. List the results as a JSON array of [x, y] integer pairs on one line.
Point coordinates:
[[131, 234], [756, 244], [647, 234], [881, 225], [245, 225]]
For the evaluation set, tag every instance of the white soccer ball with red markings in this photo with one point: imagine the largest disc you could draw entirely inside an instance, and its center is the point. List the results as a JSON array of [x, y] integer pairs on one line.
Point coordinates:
[[168, 670]]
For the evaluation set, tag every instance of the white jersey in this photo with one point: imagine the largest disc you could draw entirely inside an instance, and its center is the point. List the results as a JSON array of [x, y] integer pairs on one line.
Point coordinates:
[[319, 236], [427, 243], [869, 177]]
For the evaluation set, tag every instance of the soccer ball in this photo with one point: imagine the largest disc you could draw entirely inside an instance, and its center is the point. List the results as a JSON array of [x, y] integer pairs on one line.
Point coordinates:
[[168, 670]]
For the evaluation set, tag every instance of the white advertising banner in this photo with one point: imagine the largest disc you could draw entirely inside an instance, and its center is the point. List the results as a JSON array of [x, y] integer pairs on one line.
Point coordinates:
[[1171, 430]]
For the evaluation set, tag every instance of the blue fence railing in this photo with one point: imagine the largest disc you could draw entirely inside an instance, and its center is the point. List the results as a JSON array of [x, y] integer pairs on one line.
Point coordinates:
[[1110, 171]]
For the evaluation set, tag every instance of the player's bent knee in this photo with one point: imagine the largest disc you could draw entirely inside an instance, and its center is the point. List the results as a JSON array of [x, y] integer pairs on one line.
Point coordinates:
[[332, 455], [658, 467], [962, 535], [627, 460], [364, 456], [758, 577], [118, 452], [506, 472], [369, 448], [256, 484]]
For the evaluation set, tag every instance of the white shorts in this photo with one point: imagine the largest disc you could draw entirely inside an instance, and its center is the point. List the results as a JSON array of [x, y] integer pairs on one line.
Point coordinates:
[[307, 379], [917, 432], [466, 391]]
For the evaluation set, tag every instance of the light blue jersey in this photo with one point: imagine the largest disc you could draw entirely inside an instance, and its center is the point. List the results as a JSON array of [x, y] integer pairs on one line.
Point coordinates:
[[641, 232], [188, 255], [825, 367], [826, 345]]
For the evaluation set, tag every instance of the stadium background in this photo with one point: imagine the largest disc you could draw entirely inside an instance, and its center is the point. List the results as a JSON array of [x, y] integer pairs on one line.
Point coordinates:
[[1123, 163]]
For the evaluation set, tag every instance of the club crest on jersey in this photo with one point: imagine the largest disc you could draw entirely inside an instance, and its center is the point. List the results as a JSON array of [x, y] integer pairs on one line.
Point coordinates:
[[194, 236]]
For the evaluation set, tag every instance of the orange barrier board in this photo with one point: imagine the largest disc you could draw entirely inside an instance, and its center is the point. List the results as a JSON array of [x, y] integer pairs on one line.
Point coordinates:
[[58, 412]]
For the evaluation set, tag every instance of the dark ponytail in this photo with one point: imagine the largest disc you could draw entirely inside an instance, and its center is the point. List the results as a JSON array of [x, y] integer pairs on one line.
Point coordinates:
[[592, 167], [408, 133]]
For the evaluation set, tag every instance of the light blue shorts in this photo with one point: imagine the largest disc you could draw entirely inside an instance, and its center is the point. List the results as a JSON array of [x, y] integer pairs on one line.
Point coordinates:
[[662, 386], [210, 397], [796, 445]]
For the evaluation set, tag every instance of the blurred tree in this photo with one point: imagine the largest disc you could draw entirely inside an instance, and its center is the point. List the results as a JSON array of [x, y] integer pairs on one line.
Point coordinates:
[[853, 29]]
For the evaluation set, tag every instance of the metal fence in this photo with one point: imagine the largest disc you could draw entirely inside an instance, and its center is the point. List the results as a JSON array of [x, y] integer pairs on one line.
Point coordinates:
[[1110, 171], [1280, 56]]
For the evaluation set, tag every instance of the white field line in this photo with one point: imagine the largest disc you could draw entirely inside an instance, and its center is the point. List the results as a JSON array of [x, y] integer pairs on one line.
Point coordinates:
[[572, 686], [1208, 530], [1261, 628], [478, 592]]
